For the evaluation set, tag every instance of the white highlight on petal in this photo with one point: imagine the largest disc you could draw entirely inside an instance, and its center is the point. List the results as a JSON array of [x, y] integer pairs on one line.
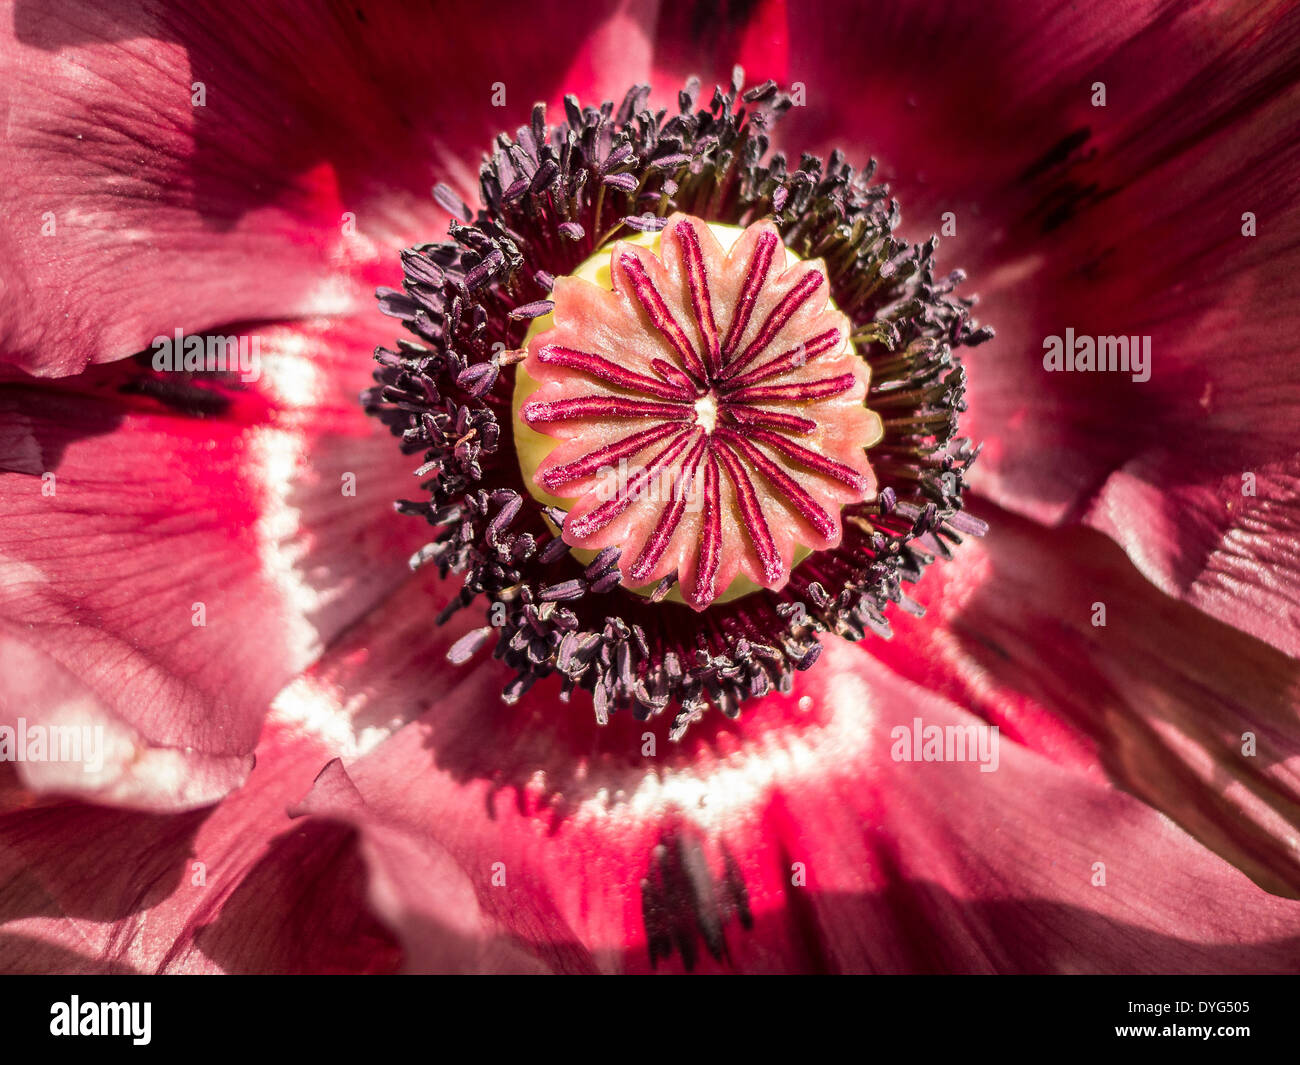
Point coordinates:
[[113, 763], [336, 718], [290, 373], [283, 540], [713, 794]]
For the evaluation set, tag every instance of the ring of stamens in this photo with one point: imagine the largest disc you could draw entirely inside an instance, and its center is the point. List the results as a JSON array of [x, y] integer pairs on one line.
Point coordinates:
[[551, 198]]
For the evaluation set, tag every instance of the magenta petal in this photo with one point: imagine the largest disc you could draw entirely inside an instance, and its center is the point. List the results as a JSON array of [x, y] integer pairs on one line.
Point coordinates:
[[301, 909], [131, 209], [238, 888], [166, 571], [999, 871], [588, 852], [709, 42], [421, 890], [76, 879], [1128, 219], [1228, 545], [1052, 635], [128, 211]]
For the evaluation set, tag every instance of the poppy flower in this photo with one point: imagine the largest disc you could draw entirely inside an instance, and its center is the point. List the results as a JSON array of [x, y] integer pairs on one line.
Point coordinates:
[[605, 725]]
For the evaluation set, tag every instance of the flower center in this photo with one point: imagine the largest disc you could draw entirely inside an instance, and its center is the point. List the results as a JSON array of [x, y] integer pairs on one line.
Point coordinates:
[[688, 406], [702, 412], [706, 412]]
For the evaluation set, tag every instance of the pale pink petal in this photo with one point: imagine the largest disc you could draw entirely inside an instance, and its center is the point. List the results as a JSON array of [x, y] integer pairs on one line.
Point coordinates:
[[185, 166], [174, 549]]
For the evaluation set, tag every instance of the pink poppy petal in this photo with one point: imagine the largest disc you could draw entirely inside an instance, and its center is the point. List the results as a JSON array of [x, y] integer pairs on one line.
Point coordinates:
[[595, 855], [238, 888], [999, 872], [1189, 714], [172, 166], [1228, 545], [1128, 219], [301, 909], [422, 890], [708, 42], [169, 563]]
